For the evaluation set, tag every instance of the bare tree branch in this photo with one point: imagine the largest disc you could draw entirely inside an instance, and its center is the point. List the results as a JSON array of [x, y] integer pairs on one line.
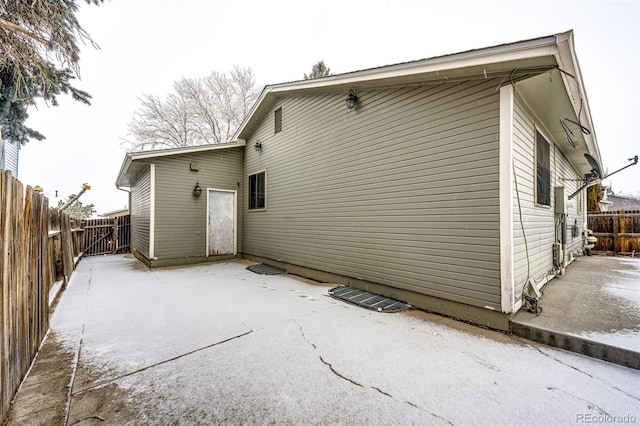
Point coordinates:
[[199, 111]]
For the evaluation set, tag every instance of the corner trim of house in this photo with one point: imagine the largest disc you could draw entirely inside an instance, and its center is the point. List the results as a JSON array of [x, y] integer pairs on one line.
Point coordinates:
[[506, 200], [152, 212], [460, 311]]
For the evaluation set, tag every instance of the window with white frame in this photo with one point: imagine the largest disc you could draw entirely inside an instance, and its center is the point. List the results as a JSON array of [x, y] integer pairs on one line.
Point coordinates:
[[257, 191]]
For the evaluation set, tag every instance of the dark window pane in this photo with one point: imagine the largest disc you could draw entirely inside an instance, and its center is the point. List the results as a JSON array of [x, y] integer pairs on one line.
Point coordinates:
[[543, 171], [257, 191], [252, 192], [260, 192]]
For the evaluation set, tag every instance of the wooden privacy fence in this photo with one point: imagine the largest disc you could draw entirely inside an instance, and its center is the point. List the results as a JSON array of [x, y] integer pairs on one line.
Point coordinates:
[[618, 233], [39, 250], [106, 236]]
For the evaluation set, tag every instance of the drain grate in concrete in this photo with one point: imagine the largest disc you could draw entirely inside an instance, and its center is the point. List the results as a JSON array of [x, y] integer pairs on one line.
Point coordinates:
[[263, 269], [368, 300]]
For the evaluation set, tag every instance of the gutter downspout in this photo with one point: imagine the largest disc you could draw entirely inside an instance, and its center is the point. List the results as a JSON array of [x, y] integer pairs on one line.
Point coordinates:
[[128, 191]]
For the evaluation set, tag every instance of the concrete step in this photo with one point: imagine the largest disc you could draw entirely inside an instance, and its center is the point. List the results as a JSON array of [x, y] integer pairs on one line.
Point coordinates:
[[581, 345]]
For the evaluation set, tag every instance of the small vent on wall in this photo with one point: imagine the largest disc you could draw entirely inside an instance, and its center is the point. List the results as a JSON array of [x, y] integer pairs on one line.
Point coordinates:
[[278, 120]]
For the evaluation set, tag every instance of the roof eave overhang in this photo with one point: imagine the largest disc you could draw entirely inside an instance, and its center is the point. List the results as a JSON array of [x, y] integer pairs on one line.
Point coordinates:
[[468, 64], [559, 95], [123, 179], [572, 77]]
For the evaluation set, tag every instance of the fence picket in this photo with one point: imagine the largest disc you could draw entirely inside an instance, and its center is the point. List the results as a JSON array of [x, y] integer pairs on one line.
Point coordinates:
[[28, 263], [617, 232]]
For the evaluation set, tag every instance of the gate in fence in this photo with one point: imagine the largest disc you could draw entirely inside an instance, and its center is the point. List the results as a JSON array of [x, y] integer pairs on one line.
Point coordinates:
[[107, 236]]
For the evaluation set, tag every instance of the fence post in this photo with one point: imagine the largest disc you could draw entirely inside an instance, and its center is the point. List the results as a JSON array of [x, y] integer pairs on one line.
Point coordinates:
[[616, 230], [623, 238], [114, 236], [6, 214]]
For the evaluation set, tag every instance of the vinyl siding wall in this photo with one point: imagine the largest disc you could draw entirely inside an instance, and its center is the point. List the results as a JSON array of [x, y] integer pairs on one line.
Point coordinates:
[[141, 213], [575, 208], [181, 218], [10, 155], [401, 191], [539, 221]]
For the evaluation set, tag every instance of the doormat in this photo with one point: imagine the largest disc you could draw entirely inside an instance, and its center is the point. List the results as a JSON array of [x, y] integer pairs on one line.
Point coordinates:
[[367, 300], [262, 269]]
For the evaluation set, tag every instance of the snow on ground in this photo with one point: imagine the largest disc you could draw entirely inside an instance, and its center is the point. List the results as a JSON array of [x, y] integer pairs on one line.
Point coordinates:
[[624, 288], [215, 343]]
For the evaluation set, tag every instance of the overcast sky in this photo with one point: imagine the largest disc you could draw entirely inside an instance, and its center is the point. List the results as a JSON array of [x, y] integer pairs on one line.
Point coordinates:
[[146, 45]]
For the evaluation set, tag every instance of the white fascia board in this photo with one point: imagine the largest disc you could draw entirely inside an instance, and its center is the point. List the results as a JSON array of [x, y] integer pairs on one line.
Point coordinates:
[[138, 155], [507, 261], [123, 169], [568, 62], [422, 67], [265, 91]]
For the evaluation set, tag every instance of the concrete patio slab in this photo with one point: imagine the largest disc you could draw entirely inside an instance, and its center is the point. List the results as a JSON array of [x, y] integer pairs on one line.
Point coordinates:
[[217, 344], [593, 309]]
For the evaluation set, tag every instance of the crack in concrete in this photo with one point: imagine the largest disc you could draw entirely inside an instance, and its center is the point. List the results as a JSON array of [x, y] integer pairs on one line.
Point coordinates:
[[304, 336], [328, 364], [383, 392], [561, 362], [625, 393], [342, 376], [333, 370], [585, 373], [590, 405], [429, 412], [89, 418], [106, 382]]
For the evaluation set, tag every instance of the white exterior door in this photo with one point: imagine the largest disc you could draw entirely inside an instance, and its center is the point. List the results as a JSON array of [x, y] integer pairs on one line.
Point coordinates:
[[221, 222]]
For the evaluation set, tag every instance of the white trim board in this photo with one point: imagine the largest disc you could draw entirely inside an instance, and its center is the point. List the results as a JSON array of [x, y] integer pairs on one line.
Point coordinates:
[[507, 284], [152, 211]]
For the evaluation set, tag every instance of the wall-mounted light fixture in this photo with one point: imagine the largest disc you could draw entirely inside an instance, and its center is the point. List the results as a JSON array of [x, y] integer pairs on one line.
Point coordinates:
[[258, 146], [197, 190], [351, 99]]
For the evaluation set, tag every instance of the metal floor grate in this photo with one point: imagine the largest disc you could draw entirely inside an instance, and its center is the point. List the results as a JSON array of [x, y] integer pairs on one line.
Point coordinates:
[[368, 300], [263, 269]]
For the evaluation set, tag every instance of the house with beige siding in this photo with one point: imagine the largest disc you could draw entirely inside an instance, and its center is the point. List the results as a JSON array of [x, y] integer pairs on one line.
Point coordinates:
[[450, 182]]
